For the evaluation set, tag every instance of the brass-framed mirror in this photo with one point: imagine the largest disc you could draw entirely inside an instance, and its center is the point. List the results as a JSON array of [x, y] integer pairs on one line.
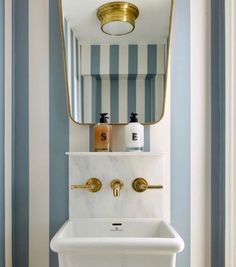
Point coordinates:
[[115, 74]]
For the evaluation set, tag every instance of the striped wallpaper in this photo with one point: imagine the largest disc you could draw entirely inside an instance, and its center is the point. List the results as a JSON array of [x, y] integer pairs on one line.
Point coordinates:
[[42, 133], [118, 79], [218, 135], [2, 137]]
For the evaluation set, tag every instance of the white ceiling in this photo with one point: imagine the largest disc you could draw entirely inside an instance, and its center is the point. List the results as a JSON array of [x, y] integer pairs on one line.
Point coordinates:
[[151, 26]]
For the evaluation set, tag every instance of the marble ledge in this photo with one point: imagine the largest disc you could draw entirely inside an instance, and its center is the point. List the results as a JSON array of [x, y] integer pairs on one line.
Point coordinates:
[[117, 154]]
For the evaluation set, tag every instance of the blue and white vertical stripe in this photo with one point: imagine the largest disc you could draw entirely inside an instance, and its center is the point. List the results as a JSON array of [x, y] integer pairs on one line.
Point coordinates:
[[41, 133], [117, 79], [40, 167], [133, 87]]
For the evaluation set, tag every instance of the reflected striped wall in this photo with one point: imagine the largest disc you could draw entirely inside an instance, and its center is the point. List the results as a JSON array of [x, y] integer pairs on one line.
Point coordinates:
[[122, 75], [117, 79]]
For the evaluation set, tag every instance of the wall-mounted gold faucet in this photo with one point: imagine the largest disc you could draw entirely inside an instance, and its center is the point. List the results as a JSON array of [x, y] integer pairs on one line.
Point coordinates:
[[141, 185], [93, 185], [116, 186]]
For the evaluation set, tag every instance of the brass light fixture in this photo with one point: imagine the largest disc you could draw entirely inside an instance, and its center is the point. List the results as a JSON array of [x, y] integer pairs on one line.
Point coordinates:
[[117, 18]]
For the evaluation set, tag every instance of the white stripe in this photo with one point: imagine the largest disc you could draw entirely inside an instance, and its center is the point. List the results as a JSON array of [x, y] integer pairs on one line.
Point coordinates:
[[87, 99], [79, 108], [140, 99], [8, 133], [123, 98], [161, 59], [159, 95], [75, 81], [38, 134], [104, 59], [123, 59], [106, 95], [69, 61], [75, 143], [142, 59], [160, 141], [86, 59]]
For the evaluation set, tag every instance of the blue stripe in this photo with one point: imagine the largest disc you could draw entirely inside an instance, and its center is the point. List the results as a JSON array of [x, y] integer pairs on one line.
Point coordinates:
[[153, 99], [133, 61], [152, 59], [114, 83], [150, 83], [58, 131], [2, 135], [95, 60], [72, 87], [147, 138], [20, 134], [148, 100], [96, 90], [218, 133], [181, 129], [132, 74]]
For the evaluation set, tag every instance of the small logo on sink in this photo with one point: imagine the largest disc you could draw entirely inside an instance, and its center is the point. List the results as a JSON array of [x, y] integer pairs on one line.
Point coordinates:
[[116, 229]]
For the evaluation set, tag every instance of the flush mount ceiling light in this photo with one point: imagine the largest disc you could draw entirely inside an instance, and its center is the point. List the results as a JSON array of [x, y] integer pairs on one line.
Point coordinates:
[[117, 18]]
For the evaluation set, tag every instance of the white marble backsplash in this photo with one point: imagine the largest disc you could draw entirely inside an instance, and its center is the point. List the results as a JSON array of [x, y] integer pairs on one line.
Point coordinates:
[[106, 167]]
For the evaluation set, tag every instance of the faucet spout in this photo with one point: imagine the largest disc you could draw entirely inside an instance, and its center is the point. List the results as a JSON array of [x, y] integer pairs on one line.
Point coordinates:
[[116, 186]]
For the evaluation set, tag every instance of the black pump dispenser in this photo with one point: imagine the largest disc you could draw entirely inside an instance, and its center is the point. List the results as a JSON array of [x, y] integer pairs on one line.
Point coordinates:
[[104, 118], [133, 117]]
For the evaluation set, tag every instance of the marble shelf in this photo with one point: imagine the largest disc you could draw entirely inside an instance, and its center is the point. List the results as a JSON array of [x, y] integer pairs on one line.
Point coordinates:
[[117, 154]]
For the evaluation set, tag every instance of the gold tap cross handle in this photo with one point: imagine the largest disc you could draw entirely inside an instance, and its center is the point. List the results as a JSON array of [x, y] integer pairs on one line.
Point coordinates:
[[154, 187], [93, 185], [141, 185]]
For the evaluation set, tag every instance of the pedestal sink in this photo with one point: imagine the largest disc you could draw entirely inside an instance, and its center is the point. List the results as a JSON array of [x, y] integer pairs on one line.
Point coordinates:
[[117, 243]]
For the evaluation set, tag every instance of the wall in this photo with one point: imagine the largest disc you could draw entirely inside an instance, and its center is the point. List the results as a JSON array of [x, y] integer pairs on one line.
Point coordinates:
[[8, 133], [2, 136], [218, 108], [42, 132], [201, 133], [181, 127], [5, 134]]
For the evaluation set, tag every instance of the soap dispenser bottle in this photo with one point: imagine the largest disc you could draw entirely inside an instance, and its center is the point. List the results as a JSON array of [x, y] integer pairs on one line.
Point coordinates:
[[134, 134], [102, 138]]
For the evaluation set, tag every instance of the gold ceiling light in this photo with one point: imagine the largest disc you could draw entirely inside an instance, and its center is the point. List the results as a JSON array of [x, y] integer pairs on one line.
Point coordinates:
[[117, 18]]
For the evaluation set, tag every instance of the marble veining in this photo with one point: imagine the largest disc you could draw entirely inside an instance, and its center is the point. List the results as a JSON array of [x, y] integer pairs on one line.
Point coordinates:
[[130, 204]]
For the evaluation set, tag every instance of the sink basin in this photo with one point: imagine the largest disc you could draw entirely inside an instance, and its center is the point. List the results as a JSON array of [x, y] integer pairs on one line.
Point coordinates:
[[117, 243]]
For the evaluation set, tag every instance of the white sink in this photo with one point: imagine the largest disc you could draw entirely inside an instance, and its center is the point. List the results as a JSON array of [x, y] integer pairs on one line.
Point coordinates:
[[117, 243]]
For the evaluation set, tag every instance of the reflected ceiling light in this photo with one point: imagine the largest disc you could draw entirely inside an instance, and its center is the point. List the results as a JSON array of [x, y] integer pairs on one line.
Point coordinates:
[[117, 18]]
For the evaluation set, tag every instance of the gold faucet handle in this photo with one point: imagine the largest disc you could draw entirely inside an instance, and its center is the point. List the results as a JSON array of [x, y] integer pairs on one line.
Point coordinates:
[[93, 185], [141, 185]]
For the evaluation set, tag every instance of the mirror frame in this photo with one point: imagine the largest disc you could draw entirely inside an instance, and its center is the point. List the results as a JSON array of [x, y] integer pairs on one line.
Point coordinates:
[[66, 73]]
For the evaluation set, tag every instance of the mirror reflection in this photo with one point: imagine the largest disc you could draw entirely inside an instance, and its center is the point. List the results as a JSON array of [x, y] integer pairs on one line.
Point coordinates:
[[116, 61]]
